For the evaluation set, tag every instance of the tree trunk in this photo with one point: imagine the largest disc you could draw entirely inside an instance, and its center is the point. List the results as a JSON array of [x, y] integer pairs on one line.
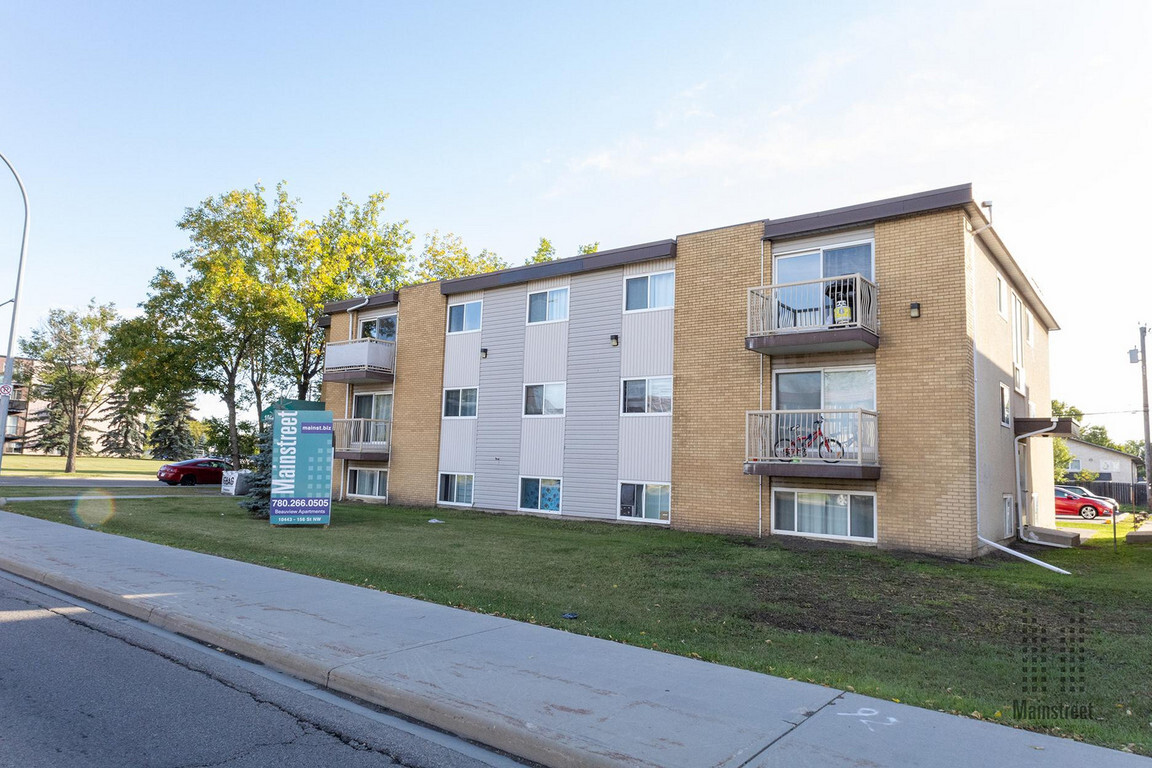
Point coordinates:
[[73, 442], [233, 437], [302, 386]]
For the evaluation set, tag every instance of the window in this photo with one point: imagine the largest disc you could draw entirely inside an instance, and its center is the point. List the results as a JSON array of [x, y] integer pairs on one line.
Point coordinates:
[[1018, 341], [539, 494], [12, 426], [1002, 297], [455, 489], [544, 399], [808, 296], [1005, 405], [368, 482], [1074, 465], [832, 261], [548, 306], [460, 403], [656, 291], [646, 501], [464, 317], [824, 514], [1009, 515], [383, 328], [1028, 329], [648, 395]]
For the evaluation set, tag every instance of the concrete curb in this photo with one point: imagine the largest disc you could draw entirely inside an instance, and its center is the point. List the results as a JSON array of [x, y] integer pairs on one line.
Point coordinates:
[[526, 740]]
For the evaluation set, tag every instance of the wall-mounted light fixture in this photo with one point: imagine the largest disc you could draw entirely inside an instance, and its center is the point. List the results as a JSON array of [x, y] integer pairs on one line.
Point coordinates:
[[615, 339], [914, 309], [484, 352]]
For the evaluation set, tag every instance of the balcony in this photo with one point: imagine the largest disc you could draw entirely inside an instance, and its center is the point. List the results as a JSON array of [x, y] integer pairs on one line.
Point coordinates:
[[18, 403], [361, 439], [826, 443], [360, 361], [834, 314]]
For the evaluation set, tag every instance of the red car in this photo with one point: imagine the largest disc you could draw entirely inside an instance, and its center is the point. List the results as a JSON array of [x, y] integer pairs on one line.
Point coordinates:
[[1070, 504], [193, 471]]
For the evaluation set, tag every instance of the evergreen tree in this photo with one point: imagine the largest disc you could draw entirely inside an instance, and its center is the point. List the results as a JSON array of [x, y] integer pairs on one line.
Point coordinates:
[[125, 433], [50, 435], [259, 498], [171, 438]]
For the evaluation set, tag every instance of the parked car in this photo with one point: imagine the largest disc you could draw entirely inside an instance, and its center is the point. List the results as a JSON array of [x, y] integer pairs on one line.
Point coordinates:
[[1081, 491], [1072, 504], [194, 472]]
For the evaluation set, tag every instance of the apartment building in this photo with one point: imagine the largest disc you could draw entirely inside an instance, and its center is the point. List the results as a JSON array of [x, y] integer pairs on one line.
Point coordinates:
[[16, 425], [875, 374]]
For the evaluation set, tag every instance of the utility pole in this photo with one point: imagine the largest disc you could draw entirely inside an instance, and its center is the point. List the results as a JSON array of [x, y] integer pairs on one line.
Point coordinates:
[[1147, 451], [6, 389]]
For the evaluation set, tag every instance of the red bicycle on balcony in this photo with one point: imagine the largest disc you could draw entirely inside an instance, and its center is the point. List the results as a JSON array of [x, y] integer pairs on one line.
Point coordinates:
[[796, 447]]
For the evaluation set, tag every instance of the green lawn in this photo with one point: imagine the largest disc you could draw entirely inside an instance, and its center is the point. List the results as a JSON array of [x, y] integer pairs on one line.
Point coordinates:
[[937, 634], [86, 466]]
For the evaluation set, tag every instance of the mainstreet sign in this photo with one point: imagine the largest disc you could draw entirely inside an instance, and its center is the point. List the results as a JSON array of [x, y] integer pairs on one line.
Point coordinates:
[[301, 468]]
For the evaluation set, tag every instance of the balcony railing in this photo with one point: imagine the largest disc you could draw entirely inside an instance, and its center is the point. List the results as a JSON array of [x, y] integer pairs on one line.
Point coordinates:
[[18, 402], [846, 301], [826, 436], [363, 436], [376, 355]]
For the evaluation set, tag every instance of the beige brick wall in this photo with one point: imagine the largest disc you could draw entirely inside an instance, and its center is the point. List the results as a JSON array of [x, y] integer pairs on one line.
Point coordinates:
[[715, 381], [925, 386], [415, 452]]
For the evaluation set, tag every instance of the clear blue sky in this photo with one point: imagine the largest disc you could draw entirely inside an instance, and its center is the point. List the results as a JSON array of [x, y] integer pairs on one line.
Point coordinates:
[[617, 122]]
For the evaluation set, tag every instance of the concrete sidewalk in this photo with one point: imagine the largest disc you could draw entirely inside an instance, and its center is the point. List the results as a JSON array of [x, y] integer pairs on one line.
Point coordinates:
[[549, 696]]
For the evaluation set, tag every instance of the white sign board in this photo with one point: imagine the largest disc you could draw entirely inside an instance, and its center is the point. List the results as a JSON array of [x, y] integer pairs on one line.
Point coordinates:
[[234, 483]]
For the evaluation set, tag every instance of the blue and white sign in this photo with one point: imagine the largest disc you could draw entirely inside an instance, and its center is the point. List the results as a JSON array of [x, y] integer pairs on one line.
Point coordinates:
[[301, 468]]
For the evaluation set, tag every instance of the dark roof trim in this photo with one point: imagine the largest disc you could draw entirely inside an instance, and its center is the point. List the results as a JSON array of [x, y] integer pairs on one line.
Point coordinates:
[[599, 260], [867, 213], [375, 300]]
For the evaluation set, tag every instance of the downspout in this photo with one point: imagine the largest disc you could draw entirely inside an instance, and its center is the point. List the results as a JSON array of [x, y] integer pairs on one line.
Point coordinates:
[[760, 490], [1019, 484]]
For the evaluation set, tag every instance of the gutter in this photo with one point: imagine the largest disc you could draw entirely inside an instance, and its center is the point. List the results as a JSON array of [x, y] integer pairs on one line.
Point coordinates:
[[1018, 442]]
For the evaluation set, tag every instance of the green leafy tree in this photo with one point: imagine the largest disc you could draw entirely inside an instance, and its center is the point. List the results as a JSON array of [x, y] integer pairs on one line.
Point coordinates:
[[1060, 408], [588, 248], [48, 433], [171, 438], [216, 437], [445, 257], [1061, 459], [1085, 476], [124, 430], [71, 372], [259, 497], [545, 251], [1099, 436]]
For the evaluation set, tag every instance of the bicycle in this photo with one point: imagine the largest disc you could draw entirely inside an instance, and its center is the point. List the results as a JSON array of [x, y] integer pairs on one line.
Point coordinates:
[[830, 449]]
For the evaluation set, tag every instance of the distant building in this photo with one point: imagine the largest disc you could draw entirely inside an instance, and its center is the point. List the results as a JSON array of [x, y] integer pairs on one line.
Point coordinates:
[[1111, 465], [24, 410]]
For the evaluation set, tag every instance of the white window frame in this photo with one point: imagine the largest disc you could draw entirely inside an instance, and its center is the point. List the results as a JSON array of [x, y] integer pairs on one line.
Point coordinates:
[[823, 370], [548, 292], [644, 485], [1005, 405], [783, 253], [646, 412], [1075, 465], [649, 307], [1019, 375], [1029, 333], [827, 536], [520, 480], [1002, 301], [543, 399], [444, 402], [362, 319], [1009, 510], [448, 317], [348, 483], [455, 485]]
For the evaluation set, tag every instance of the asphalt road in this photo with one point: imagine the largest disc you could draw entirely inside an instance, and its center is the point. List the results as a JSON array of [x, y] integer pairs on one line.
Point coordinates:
[[80, 686]]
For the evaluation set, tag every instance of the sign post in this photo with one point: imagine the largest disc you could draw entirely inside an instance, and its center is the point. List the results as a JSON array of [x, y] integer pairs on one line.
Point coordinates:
[[301, 491]]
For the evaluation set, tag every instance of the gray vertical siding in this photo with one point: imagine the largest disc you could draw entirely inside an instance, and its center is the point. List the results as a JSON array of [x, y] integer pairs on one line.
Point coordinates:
[[458, 446], [500, 408], [546, 352], [646, 344], [542, 448], [462, 360], [646, 448], [591, 423]]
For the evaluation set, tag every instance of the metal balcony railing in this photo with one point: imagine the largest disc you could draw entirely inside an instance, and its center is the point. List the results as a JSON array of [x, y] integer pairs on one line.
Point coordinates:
[[361, 435], [845, 301], [361, 355], [831, 436], [18, 402]]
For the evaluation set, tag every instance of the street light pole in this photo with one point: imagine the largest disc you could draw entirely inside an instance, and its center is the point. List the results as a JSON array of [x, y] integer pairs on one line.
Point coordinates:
[[5, 392]]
